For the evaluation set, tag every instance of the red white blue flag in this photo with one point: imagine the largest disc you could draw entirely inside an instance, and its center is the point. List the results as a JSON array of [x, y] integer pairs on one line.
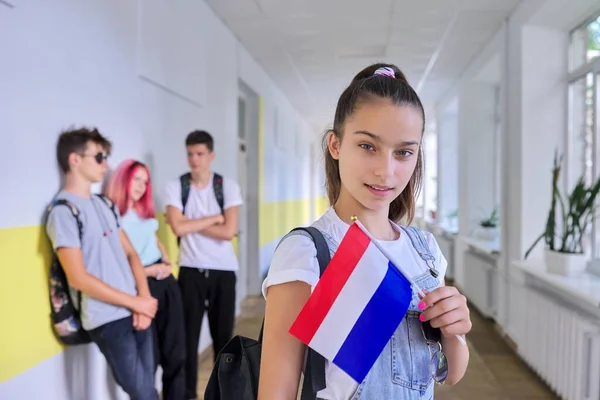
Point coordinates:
[[355, 308]]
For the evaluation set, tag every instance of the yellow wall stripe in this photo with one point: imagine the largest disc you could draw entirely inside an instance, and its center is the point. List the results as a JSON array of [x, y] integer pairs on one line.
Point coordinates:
[[321, 205], [26, 338], [275, 219]]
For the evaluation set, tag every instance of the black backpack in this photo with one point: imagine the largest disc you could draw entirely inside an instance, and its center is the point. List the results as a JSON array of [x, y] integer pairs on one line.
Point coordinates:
[[236, 370], [65, 317], [186, 182]]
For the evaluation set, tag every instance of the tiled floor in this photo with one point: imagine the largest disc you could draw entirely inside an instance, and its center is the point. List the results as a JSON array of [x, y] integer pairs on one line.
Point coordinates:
[[494, 372]]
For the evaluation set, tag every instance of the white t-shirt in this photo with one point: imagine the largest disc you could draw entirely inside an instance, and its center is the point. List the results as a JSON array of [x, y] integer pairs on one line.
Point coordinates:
[[296, 260], [196, 249]]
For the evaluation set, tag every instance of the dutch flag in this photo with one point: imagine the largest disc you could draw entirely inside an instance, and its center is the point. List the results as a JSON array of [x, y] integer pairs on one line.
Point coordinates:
[[356, 306]]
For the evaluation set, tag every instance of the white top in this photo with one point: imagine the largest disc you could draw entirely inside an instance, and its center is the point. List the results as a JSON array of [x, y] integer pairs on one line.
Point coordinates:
[[296, 260], [196, 249]]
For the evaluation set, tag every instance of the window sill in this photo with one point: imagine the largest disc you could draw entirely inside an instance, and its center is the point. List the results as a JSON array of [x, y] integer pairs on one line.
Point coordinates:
[[584, 287], [484, 246], [439, 228]]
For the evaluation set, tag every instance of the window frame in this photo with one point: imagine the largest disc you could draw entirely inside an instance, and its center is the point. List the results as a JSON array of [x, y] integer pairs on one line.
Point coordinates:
[[573, 76], [582, 69]]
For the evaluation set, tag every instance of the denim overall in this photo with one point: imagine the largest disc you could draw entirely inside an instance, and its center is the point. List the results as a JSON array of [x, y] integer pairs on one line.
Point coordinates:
[[402, 371]]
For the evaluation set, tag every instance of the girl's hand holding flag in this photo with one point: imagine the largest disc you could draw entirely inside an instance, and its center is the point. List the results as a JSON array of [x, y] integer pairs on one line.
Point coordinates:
[[446, 308]]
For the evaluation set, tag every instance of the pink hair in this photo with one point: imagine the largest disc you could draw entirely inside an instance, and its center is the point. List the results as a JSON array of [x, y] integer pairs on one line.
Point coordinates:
[[119, 187]]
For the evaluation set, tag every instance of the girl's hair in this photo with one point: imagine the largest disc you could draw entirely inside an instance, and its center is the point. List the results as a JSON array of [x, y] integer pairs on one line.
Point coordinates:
[[120, 184], [391, 84]]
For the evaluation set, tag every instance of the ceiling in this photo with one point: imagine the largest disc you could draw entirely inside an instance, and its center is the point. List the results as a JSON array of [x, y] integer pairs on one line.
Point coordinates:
[[313, 48], [565, 15]]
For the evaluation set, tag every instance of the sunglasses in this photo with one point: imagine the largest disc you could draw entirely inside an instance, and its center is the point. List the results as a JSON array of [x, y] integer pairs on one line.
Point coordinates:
[[100, 157], [438, 365]]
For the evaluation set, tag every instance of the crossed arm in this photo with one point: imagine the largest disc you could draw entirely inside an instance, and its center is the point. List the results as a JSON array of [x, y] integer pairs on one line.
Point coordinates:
[[222, 227]]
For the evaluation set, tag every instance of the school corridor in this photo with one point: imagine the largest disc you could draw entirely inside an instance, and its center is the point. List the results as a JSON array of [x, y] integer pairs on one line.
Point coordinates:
[[510, 146]]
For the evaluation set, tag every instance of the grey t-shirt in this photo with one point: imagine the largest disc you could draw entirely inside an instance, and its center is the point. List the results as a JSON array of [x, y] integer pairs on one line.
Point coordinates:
[[103, 254]]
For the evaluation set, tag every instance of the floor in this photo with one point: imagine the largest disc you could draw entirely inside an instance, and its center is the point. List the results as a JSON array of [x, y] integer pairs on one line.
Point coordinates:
[[494, 372]]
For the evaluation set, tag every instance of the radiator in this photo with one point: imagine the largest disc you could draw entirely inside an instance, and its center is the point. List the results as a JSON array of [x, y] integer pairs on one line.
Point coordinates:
[[562, 346], [480, 281]]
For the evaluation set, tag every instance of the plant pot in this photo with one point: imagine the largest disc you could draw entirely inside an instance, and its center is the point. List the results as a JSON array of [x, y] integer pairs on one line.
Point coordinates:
[[565, 264], [486, 233], [593, 267]]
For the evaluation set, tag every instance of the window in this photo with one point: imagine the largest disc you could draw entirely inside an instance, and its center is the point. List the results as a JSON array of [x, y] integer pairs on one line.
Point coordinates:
[[585, 43], [497, 148], [581, 129], [583, 142]]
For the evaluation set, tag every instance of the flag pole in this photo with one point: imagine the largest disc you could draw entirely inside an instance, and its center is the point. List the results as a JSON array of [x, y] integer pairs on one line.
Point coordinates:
[[396, 264]]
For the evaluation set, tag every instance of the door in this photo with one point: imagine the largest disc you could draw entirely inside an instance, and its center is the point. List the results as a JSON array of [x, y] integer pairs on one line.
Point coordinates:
[[242, 162]]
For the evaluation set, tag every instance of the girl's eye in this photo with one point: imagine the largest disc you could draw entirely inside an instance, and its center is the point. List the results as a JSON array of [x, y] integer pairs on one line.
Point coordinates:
[[404, 153], [366, 146]]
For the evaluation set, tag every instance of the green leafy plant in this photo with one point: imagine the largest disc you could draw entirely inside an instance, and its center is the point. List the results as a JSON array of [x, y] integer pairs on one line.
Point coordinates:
[[453, 214], [491, 221], [576, 213]]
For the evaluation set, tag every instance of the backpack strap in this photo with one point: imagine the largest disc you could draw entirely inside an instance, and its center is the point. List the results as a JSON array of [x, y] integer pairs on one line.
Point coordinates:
[[218, 188], [110, 205], [314, 369], [419, 242], [74, 210], [186, 182]]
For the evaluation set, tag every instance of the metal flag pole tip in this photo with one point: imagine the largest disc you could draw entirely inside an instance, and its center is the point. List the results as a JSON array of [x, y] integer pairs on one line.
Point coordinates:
[[355, 220]]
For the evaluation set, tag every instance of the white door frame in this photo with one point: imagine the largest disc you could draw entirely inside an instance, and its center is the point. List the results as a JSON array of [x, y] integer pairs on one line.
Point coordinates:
[[242, 164], [251, 209]]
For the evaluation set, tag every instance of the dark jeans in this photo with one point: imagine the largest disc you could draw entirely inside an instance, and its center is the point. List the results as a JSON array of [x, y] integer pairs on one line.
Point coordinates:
[[169, 336], [129, 355], [198, 287]]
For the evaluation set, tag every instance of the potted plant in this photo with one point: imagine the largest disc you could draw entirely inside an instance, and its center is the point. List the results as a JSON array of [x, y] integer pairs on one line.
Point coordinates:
[[451, 221], [488, 226], [564, 252]]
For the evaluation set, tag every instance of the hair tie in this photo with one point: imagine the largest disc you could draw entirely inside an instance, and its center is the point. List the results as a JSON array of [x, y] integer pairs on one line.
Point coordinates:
[[386, 71]]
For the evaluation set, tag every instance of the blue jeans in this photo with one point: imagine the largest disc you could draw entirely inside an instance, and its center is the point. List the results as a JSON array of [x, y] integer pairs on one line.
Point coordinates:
[[129, 354]]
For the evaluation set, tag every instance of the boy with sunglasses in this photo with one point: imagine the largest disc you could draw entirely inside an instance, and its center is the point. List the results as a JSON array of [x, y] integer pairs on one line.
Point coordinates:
[[116, 308]]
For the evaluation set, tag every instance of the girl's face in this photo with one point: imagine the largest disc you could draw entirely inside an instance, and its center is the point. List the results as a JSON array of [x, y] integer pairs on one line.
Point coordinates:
[[139, 181], [378, 152]]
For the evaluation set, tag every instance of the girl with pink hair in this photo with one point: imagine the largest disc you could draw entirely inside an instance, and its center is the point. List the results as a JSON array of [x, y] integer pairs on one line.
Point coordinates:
[[130, 188]]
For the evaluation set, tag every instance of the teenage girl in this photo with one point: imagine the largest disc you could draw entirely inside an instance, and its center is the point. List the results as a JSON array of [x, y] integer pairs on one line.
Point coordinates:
[[130, 188], [373, 168]]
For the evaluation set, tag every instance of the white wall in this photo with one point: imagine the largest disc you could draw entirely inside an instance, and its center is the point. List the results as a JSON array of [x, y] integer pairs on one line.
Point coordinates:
[[145, 74], [430, 187], [477, 142], [543, 119], [448, 157]]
